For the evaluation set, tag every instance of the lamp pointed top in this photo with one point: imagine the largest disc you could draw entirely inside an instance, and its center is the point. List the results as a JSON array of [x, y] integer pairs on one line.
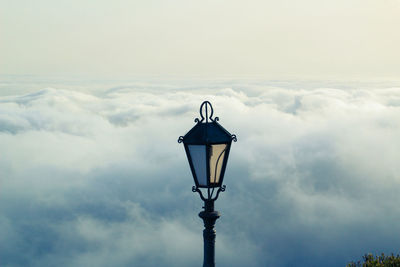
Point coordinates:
[[206, 112]]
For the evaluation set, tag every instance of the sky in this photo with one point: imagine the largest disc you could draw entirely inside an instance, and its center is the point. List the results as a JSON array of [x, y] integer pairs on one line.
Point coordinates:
[[94, 95], [344, 39]]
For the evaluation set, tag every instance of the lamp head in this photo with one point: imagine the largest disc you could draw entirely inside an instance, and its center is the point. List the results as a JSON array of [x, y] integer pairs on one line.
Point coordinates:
[[207, 147]]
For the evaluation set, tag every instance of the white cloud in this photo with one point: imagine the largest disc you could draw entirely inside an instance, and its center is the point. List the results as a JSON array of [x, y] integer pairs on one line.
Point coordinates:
[[96, 177]]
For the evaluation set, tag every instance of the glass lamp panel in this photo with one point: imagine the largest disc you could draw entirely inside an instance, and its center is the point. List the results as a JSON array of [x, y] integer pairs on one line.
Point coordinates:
[[199, 161], [217, 155]]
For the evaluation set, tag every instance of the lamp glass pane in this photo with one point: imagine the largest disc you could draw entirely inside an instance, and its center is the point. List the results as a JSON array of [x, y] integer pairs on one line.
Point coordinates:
[[198, 155], [217, 155]]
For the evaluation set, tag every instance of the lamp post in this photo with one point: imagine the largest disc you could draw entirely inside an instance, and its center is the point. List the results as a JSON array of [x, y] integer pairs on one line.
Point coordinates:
[[207, 147]]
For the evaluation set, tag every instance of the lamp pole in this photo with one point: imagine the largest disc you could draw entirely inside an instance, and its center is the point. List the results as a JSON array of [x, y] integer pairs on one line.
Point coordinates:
[[207, 147], [209, 216]]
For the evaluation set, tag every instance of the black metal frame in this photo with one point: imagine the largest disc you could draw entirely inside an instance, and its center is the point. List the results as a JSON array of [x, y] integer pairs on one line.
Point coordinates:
[[207, 130], [223, 167]]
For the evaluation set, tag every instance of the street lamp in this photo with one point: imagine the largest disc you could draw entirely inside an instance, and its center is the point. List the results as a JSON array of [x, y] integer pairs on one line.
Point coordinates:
[[207, 147]]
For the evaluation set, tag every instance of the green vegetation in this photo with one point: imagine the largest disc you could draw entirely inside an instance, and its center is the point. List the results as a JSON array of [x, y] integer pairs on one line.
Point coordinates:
[[377, 261]]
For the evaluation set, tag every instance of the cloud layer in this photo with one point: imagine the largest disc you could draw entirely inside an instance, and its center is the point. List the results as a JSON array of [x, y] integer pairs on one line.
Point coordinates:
[[96, 178]]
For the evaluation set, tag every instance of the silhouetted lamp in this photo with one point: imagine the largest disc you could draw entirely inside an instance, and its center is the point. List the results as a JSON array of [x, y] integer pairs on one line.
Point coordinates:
[[207, 147]]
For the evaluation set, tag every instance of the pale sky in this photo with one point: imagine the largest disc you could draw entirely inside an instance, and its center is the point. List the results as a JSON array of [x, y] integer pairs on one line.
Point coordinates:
[[275, 39]]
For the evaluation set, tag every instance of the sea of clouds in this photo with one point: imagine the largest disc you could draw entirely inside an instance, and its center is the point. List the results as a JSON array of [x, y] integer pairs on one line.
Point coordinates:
[[91, 173]]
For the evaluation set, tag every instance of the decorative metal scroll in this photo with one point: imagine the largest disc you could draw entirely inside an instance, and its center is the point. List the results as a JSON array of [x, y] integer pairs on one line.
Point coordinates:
[[210, 196], [233, 136], [206, 108]]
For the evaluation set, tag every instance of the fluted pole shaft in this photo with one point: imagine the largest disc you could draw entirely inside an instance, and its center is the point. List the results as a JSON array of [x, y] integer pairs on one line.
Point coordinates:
[[209, 217]]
